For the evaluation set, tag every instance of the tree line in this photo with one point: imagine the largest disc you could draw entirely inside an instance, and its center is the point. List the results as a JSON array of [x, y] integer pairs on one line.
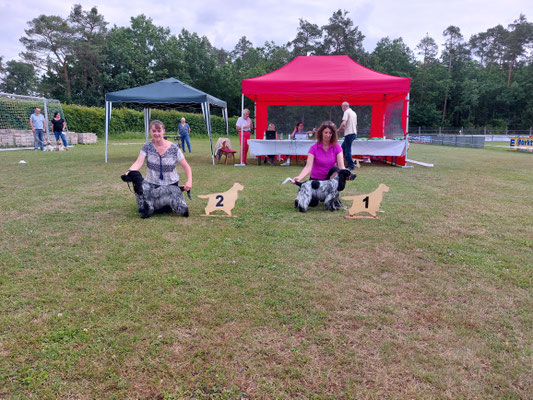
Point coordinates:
[[486, 79]]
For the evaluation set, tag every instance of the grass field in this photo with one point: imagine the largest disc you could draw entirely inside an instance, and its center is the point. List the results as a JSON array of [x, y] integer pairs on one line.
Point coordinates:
[[432, 300]]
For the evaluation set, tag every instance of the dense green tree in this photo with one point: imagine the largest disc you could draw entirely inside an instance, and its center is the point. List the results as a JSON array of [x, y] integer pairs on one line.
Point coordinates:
[[485, 80], [341, 37], [132, 54], [497, 39], [20, 78], [48, 43], [307, 40], [428, 49], [454, 38], [520, 36], [392, 57], [90, 30]]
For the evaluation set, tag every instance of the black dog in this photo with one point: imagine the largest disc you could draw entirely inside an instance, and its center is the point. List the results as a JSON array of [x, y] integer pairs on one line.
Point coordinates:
[[153, 198], [313, 192]]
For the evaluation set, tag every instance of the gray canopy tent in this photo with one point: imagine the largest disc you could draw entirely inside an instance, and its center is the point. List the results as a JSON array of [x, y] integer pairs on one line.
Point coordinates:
[[163, 94]]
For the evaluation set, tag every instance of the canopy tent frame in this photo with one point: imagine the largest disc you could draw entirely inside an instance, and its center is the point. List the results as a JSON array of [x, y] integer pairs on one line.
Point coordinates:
[[164, 94]]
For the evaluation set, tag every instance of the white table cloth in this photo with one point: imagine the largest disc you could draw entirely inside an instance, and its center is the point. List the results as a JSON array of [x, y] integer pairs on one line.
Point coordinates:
[[260, 147]]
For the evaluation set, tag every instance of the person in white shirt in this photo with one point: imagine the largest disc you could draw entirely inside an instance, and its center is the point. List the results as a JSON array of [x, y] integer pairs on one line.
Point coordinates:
[[349, 126], [245, 125]]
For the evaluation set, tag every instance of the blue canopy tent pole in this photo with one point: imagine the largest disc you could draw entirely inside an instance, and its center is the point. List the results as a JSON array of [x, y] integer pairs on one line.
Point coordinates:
[[147, 115], [225, 115], [206, 111], [108, 106], [209, 130]]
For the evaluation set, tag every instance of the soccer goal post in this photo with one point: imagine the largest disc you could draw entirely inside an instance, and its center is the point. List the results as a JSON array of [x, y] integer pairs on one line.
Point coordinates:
[[15, 111]]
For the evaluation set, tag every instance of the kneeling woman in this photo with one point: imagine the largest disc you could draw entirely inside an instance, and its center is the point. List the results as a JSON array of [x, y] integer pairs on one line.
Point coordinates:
[[161, 159], [324, 154]]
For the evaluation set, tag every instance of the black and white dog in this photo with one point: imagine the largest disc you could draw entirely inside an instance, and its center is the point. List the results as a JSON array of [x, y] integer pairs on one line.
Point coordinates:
[[313, 192], [154, 198]]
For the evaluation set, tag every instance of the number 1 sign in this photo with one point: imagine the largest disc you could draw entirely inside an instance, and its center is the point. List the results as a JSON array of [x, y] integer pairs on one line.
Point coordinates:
[[368, 203]]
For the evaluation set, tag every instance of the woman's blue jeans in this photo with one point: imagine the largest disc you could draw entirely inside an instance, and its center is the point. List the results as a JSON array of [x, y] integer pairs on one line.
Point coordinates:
[[57, 134], [185, 139]]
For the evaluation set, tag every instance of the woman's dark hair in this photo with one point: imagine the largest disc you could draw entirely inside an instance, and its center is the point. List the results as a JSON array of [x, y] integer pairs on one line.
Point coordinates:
[[57, 113], [298, 123], [332, 127], [156, 122]]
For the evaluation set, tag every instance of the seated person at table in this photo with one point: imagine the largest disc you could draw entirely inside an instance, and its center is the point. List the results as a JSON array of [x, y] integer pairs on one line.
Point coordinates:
[[271, 127], [324, 154], [298, 130]]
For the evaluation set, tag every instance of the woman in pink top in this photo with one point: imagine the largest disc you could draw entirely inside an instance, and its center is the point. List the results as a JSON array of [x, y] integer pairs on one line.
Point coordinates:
[[324, 154]]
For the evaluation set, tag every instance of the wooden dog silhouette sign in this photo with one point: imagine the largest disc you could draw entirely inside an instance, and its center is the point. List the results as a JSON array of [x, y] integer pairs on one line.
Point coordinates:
[[224, 201], [368, 203]]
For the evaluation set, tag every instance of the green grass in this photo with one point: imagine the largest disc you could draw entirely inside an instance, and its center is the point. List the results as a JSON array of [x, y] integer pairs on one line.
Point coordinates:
[[431, 300]]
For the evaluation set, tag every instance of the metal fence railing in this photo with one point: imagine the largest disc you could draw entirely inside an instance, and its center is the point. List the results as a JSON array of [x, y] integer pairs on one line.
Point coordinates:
[[486, 130], [467, 137]]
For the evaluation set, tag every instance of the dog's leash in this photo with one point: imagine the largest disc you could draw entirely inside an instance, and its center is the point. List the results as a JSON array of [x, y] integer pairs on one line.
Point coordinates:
[[129, 187], [182, 188]]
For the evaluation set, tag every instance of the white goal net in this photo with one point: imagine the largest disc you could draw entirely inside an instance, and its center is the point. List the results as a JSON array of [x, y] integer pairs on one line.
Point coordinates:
[[15, 111]]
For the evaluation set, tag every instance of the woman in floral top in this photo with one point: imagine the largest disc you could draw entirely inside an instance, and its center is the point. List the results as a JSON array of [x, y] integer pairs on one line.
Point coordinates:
[[161, 159]]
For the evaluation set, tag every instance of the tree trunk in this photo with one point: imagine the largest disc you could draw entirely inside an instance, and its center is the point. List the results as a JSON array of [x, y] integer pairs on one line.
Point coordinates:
[[510, 71], [67, 80], [444, 107], [447, 88]]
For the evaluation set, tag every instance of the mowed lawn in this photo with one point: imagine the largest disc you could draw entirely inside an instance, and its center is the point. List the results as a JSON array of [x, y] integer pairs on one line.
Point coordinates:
[[432, 300]]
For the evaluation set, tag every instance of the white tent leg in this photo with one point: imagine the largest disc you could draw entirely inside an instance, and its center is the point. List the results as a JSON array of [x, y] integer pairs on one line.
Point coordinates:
[[208, 120], [225, 115], [147, 115], [108, 106], [241, 164], [407, 117], [47, 126]]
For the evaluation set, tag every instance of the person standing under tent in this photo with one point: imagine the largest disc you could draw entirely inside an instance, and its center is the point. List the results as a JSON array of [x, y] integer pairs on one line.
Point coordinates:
[[184, 130], [245, 124], [349, 126], [38, 127], [58, 126]]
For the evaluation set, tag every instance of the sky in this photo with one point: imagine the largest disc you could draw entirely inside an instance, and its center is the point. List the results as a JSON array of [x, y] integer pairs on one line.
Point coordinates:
[[225, 22]]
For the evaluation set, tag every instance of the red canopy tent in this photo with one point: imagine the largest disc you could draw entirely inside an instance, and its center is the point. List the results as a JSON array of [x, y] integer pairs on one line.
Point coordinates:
[[328, 80]]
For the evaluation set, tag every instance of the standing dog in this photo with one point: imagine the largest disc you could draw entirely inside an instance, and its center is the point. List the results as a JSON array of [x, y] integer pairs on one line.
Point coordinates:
[[151, 198], [48, 146], [60, 147], [313, 192]]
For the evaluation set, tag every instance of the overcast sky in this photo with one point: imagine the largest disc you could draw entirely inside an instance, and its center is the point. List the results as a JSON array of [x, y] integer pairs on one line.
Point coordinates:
[[224, 22]]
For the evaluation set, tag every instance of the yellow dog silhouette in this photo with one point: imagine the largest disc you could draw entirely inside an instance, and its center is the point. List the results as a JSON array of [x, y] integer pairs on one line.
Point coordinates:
[[224, 201], [369, 202]]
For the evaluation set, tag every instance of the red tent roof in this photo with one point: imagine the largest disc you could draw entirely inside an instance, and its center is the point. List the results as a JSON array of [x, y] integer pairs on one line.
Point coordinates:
[[323, 79]]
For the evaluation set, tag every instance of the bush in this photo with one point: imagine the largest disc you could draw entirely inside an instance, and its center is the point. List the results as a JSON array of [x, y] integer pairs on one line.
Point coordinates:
[[92, 119]]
